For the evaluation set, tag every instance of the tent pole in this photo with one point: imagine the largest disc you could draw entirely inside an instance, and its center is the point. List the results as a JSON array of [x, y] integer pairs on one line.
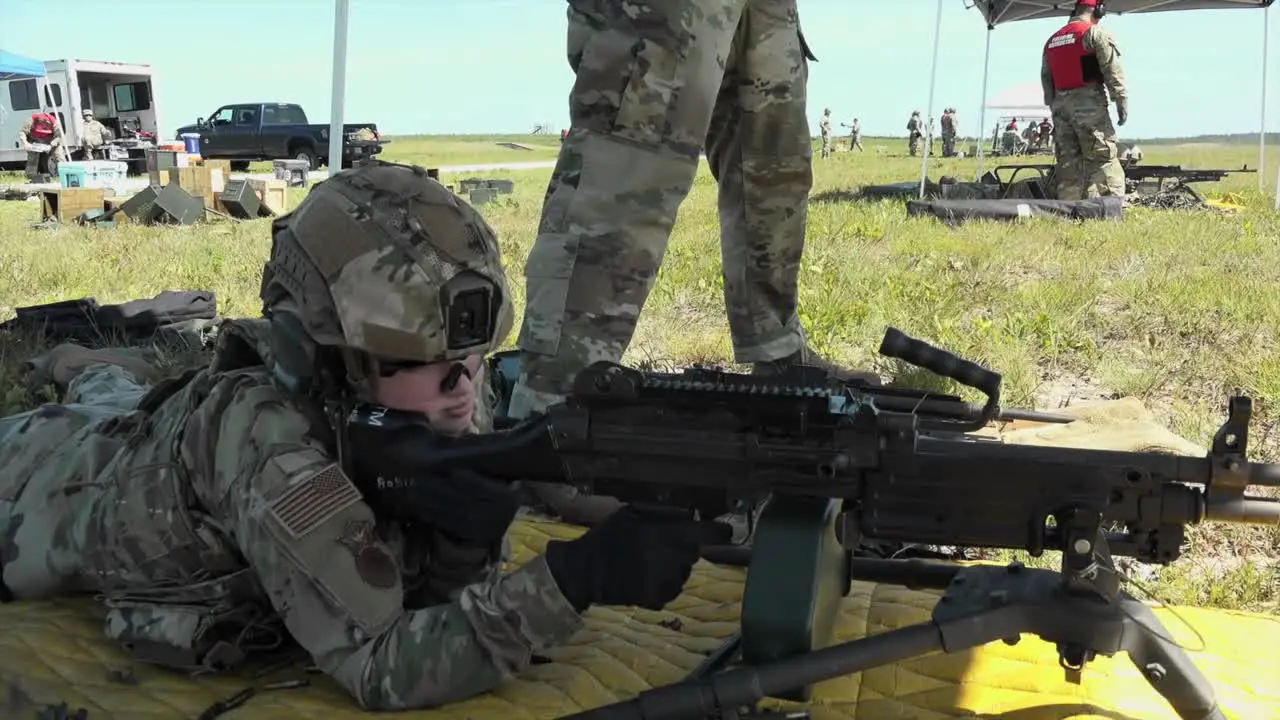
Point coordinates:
[[338, 93], [1262, 123], [982, 106], [933, 80]]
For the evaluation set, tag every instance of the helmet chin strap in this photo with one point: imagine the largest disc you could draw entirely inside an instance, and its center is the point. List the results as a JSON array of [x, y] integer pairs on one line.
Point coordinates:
[[455, 374]]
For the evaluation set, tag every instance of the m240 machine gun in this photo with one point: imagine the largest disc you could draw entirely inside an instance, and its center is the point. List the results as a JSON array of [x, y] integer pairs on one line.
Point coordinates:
[[833, 465]]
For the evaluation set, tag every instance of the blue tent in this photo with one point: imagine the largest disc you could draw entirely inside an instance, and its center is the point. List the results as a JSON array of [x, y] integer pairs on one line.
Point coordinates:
[[15, 66]]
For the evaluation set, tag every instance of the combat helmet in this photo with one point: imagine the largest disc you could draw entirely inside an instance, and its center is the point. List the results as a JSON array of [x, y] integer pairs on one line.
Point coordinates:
[[380, 266]]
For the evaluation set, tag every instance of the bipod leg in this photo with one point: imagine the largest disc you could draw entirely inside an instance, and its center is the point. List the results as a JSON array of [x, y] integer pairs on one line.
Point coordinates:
[[986, 603], [722, 694], [1166, 666]]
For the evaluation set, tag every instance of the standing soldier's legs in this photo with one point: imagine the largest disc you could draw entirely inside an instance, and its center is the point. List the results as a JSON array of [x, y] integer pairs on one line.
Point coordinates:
[[1066, 153], [826, 145], [50, 458], [1100, 158], [759, 151], [647, 78]]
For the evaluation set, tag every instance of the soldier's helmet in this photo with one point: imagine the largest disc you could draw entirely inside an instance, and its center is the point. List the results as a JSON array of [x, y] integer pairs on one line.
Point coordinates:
[[87, 113], [381, 266]]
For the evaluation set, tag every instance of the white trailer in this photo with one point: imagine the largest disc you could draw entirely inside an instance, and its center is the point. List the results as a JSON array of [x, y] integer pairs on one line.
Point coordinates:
[[121, 95]]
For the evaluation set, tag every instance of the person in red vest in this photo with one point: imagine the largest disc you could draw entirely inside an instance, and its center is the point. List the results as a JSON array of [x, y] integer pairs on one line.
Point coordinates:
[[42, 129], [1081, 65]]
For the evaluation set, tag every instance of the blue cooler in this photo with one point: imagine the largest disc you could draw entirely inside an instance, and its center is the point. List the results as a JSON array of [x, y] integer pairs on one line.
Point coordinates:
[[192, 141]]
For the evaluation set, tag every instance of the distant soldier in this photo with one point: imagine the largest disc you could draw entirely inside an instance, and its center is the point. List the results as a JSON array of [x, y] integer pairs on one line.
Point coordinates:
[[1046, 132], [94, 137], [824, 127], [915, 131], [1011, 138], [949, 132], [1079, 60], [855, 135], [42, 129]]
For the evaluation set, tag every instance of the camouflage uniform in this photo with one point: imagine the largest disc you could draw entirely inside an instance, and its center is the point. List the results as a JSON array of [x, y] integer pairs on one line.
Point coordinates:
[[208, 512], [93, 136], [656, 82], [824, 126], [948, 133], [855, 135], [37, 161], [915, 133], [1088, 162]]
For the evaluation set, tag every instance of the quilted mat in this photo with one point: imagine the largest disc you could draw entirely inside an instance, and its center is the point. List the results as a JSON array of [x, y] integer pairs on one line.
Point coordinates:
[[54, 652]]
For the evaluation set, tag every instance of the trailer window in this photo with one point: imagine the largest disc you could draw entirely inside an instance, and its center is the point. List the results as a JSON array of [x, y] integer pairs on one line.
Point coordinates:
[[23, 95], [131, 97], [53, 95]]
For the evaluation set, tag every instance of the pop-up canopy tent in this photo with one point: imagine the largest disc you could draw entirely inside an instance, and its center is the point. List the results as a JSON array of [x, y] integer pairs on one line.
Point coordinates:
[[15, 67], [999, 12]]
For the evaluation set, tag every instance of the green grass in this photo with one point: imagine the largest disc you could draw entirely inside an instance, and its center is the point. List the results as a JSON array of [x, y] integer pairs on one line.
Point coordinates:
[[1177, 308]]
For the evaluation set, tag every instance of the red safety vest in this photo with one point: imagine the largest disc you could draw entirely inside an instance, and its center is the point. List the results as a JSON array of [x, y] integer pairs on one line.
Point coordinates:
[[42, 127], [1071, 65]]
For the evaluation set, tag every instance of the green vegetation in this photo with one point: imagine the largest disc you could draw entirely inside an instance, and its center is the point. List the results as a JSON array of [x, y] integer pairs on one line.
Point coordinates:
[[1177, 308]]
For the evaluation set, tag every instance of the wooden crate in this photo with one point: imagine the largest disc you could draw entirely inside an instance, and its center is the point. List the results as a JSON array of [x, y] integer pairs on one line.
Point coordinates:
[[273, 194], [67, 204]]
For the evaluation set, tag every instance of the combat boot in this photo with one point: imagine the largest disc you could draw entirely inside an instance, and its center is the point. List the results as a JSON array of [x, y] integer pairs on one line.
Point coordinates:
[[65, 362], [808, 358]]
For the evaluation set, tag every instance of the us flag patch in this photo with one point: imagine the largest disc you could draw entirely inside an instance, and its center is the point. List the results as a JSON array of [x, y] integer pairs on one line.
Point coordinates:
[[309, 503]]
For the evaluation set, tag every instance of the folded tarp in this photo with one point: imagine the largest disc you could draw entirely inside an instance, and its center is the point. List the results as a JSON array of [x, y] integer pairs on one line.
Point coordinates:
[[957, 211], [946, 188]]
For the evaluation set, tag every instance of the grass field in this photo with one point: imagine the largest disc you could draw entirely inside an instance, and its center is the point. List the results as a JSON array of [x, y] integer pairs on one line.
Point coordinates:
[[1178, 308]]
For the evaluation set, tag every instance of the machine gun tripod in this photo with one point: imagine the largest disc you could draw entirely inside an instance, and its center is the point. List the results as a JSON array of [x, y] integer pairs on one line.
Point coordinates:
[[1081, 609]]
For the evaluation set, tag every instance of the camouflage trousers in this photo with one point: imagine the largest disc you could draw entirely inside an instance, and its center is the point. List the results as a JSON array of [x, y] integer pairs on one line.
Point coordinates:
[[948, 144], [826, 146], [656, 83], [913, 143], [1088, 161], [855, 140], [46, 455]]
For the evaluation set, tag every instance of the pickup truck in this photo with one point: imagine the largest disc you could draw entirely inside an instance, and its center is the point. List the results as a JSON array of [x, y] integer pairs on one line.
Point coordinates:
[[246, 132]]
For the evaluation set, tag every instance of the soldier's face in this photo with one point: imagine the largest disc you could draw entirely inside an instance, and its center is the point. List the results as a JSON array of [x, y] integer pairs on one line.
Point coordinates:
[[424, 389]]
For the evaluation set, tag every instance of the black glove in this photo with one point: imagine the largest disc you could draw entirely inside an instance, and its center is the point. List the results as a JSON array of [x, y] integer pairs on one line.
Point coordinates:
[[1122, 113], [635, 557], [461, 504]]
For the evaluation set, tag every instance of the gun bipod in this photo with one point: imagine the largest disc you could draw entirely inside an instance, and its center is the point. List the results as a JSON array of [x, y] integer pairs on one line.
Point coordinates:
[[1083, 613]]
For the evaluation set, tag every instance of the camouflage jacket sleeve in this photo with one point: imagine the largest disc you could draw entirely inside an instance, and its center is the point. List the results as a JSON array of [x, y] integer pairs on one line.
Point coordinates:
[[311, 541], [1046, 80], [1103, 46], [24, 133]]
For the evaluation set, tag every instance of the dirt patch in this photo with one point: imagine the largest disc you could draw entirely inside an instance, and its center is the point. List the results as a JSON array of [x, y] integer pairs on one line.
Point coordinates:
[[1066, 389]]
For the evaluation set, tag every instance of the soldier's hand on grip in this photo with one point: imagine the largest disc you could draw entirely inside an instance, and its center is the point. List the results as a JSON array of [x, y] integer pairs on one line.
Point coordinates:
[[635, 557]]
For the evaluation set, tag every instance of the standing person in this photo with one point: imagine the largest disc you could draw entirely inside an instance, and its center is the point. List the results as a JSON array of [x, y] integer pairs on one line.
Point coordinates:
[[949, 132], [915, 132], [824, 127], [1079, 60], [653, 88], [855, 135], [727, 74]]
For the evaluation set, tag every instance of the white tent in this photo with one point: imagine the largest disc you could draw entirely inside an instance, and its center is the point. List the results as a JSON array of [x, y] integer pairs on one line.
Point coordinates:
[[1020, 99], [999, 12]]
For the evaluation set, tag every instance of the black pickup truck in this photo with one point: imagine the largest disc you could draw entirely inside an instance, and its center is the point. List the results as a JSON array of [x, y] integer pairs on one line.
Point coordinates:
[[246, 132]]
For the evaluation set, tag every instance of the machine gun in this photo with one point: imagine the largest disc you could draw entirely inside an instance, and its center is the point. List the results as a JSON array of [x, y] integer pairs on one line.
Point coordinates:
[[830, 468], [1163, 178]]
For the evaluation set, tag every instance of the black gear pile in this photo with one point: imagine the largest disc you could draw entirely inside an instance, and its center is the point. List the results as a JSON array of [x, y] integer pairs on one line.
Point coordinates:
[[1177, 197]]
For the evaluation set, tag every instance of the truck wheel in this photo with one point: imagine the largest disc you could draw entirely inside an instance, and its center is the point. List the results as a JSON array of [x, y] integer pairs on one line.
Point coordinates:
[[305, 154]]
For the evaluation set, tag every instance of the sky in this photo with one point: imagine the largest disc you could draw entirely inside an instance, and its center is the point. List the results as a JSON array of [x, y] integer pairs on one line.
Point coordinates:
[[498, 66]]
